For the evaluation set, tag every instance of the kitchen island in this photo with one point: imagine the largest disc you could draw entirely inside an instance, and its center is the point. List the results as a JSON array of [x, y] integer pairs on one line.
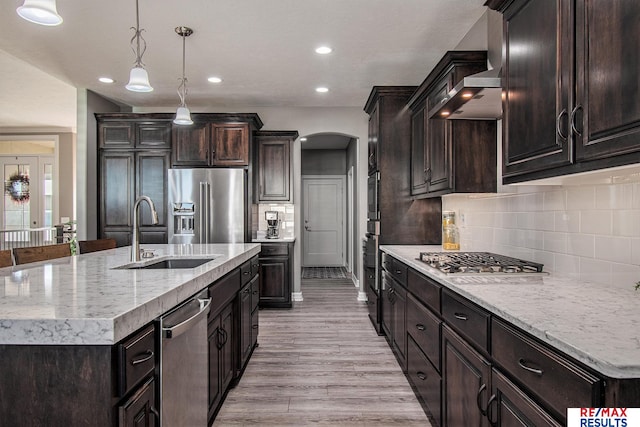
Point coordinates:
[[78, 341], [533, 344]]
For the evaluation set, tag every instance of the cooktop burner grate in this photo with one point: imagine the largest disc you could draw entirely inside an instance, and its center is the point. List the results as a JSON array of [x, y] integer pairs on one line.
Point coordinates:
[[478, 263]]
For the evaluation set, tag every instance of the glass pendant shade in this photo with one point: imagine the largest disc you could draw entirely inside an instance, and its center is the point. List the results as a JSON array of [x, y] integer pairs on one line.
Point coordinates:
[[183, 116], [41, 12], [139, 80]]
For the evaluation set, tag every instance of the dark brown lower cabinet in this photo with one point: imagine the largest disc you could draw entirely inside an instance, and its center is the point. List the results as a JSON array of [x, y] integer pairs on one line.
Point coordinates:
[[466, 382], [511, 407], [245, 310], [275, 275], [425, 379], [139, 410], [221, 357]]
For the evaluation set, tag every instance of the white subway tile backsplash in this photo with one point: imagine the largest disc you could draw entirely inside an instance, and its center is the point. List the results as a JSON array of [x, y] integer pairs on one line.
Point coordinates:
[[555, 242], [614, 196], [625, 274], [617, 249], [567, 221], [591, 231], [626, 223], [580, 198], [594, 270], [595, 222], [555, 200], [581, 244], [568, 265]]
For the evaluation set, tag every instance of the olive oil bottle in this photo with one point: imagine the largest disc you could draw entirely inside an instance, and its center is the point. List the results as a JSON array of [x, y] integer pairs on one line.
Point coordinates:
[[450, 234]]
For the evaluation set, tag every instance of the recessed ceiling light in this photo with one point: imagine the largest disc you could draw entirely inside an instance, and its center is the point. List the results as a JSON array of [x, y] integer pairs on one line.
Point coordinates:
[[324, 50], [322, 89], [303, 139], [214, 79], [106, 80]]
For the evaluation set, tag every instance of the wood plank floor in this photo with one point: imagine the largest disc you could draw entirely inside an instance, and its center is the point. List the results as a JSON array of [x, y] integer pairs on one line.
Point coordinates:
[[321, 363]]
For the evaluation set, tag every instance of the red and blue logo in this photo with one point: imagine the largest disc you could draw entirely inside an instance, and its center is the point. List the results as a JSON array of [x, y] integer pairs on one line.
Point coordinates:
[[603, 417]]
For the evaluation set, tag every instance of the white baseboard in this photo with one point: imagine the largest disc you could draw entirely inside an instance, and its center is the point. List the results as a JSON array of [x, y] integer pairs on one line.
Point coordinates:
[[297, 296], [362, 296], [355, 281]]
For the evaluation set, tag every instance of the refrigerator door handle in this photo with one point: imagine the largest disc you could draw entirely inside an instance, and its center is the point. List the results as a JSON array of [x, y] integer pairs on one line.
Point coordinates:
[[207, 219], [202, 212]]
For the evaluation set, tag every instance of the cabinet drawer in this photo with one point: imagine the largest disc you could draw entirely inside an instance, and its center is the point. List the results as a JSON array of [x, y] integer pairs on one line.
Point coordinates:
[[137, 359], [255, 293], [470, 321], [424, 328], [139, 409], [426, 290], [395, 268], [245, 273], [223, 291], [425, 379], [274, 249], [554, 379], [255, 265]]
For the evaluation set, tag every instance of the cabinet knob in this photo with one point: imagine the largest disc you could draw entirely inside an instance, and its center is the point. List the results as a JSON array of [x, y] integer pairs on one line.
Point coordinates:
[[421, 375], [461, 316], [420, 327]]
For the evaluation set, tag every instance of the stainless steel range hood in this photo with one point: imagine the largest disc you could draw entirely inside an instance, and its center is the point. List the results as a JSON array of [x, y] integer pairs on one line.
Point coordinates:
[[475, 97]]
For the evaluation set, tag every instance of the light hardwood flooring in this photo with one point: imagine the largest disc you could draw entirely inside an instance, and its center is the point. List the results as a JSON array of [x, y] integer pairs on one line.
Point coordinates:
[[321, 363]]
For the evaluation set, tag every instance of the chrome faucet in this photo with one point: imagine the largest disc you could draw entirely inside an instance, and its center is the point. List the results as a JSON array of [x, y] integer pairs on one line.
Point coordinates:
[[135, 239]]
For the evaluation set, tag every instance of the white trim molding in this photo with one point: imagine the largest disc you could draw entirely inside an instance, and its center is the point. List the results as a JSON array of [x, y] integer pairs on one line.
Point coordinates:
[[362, 296], [296, 296]]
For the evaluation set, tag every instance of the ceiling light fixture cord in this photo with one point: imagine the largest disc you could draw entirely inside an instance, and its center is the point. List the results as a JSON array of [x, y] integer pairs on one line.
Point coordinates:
[[182, 89], [137, 36]]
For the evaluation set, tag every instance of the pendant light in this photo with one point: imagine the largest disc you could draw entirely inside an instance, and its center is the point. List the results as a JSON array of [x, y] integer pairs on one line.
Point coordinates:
[[138, 78], [41, 12], [183, 115]]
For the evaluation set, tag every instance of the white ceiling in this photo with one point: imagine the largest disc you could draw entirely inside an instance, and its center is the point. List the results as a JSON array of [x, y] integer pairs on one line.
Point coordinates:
[[264, 51]]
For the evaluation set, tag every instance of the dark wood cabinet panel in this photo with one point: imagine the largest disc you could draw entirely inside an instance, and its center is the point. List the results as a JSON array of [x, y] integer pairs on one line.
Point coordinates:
[[403, 220], [450, 155], [116, 189], [274, 165], [151, 180], [116, 134], [536, 86], [227, 321], [215, 341], [153, 135], [244, 301], [467, 319], [511, 407], [426, 380], [466, 382], [191, 145], [275, 275], [424, 327], [569, 87], [372, 143], [553, 379], [230, 144], [607, 87], [139, 410], [399, 324]]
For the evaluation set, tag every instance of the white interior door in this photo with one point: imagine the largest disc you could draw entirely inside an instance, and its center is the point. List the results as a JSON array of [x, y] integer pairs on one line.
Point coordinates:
[[323, 231]]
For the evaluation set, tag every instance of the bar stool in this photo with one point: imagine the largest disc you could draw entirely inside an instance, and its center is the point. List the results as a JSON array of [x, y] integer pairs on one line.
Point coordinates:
[[87, 246], [5, 258], [41, 253]]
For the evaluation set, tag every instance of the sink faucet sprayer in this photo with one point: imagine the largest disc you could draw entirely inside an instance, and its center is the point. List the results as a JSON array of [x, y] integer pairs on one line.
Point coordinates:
[[135, 239]]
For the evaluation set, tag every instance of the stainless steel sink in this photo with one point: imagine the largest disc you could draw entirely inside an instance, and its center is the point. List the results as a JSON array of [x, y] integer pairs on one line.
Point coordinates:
[[170, 263]]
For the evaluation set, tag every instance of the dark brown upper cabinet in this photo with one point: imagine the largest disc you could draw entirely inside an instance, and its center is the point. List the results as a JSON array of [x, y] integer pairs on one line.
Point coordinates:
[[372, 145], [218, 140], [569, 90], [450, 156], [273, 164], [119, 133]]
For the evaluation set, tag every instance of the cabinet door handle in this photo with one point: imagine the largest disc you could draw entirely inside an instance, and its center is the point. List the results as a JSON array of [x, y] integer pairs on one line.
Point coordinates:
[[460, 316], [482, 388], [491, 400], [421, 375], [213, 154], [573, 120], [399, 272], [558, 124], [255, 326], [420, 327], [523, 364], [220, 342], [155, 413], [141, 359], [427, 174]]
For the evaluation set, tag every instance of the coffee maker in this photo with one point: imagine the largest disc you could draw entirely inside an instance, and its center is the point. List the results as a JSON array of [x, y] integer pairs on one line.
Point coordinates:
[[273, 224]]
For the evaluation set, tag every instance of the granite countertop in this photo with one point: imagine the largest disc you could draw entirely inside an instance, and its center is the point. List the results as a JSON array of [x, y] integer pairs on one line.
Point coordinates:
[[596, 324], [84, 300], [261, 238]]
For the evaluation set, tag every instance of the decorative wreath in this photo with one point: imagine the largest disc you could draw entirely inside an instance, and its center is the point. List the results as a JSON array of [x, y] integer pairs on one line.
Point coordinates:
[[17, 187]]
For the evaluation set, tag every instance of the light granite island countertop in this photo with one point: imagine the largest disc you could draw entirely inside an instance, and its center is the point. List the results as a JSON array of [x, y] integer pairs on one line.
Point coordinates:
[[596, 324], [87, 300]]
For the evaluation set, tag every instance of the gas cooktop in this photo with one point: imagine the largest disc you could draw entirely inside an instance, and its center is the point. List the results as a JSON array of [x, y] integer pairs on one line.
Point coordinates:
[[478, 263]]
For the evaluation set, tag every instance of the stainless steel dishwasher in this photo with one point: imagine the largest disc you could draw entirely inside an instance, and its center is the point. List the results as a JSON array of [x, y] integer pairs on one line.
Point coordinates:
[[183, 364]]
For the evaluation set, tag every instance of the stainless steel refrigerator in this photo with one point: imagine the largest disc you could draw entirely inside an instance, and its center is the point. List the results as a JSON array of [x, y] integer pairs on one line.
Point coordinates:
[[206, 205]]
